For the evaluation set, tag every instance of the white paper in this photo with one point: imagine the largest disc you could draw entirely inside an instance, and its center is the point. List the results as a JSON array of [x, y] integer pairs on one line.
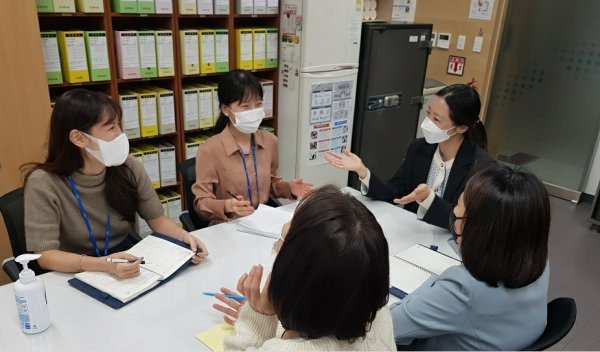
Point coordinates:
[[51, 54], [131, 119], [129, 50], [163, 257], [147, 50], [190, 109], [164, 50], [404, 10], [481, 9], [208, 48], [76, 52], [98, 51]]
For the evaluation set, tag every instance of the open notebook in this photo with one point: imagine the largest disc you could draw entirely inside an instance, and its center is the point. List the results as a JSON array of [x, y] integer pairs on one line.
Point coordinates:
[[162, 257], [410, 268], [265, 221]]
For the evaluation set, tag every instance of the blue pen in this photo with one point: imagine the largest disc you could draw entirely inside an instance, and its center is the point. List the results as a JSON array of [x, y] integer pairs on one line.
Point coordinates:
[[236, 297]]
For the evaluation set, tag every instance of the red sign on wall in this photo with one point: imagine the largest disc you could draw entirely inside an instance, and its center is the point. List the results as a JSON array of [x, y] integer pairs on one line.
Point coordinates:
[[456, 65]]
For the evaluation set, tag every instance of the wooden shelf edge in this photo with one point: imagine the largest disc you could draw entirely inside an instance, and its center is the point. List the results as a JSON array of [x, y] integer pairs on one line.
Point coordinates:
[[75, 85], [141, 139], [140, 15], [142, 80], [70, 14]]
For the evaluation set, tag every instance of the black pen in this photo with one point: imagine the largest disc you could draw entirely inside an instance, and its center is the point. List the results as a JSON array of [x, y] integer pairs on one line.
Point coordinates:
[[232, 195]]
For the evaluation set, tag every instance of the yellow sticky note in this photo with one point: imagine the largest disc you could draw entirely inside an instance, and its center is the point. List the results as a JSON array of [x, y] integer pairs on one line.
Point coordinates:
[[213, 338]]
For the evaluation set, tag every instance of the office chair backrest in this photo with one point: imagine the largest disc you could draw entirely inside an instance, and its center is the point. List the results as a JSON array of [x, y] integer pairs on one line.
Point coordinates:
[[188, 175], [562, 313], [12, 207]]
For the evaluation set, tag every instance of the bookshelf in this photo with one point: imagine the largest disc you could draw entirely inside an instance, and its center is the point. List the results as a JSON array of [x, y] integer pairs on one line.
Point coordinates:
[[111, 21]]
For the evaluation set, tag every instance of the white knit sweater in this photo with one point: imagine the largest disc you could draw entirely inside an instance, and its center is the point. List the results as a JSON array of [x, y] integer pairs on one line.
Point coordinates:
[[256, 331]]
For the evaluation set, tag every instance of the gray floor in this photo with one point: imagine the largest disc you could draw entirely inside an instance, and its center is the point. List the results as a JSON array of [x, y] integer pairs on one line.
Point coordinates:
[[575, 272]]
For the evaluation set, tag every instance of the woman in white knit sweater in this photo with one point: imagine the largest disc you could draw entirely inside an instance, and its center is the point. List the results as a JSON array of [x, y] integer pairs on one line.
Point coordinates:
[[329, 284]]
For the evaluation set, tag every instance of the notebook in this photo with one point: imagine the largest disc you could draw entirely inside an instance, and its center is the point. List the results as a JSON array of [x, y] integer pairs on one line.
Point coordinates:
[[412, 267], [163, 258], [265, 221], [214, 337]]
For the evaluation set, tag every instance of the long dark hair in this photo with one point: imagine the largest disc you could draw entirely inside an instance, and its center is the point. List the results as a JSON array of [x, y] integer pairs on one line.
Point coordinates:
[[505, 232], [236, 86], [81, 109], [465, 106], [331, 276]]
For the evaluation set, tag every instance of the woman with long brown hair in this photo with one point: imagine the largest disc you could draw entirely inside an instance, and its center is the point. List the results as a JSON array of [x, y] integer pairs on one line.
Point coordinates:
[[80, 203]]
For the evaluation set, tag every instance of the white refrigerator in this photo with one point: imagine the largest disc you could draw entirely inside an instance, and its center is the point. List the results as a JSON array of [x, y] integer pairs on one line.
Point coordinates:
[[319, 51]]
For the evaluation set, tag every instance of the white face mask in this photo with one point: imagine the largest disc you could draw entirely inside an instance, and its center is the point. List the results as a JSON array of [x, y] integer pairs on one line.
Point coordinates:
[[249, 120], [433, 134], [111, 153]]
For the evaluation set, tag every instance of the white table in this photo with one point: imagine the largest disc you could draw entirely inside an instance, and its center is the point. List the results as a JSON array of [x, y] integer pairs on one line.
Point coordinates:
[[169, 317]]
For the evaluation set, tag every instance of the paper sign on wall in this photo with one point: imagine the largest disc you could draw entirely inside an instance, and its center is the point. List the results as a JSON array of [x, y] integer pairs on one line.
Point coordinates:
[[481, 9], [456, 65], [331, 105]]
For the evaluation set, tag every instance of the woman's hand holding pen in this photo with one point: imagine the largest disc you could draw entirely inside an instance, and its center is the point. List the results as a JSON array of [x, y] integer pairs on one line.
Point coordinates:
[[238, 205], [124, 270]]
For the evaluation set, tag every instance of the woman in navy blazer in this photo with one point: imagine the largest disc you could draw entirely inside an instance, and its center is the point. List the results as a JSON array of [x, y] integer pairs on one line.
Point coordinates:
[[496, 299], [436, 168]]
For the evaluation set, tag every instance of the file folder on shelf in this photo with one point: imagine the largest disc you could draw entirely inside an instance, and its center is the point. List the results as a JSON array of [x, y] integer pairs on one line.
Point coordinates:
[[73, 57], [147, 50], [51, 58], [243, 53], [128, 56], [97, 55], [206, 39]]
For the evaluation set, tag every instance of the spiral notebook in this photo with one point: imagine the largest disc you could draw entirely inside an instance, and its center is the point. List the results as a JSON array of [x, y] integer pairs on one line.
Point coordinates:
[[409, 269]]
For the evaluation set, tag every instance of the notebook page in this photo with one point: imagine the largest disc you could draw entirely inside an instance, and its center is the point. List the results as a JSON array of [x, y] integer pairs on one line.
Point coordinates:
[[265, 221], [162, 257], [122, 289], [427, 259], [405, 276]]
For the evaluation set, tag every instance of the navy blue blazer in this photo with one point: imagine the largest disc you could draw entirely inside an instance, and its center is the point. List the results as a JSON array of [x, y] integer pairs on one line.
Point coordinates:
[[414, 171]]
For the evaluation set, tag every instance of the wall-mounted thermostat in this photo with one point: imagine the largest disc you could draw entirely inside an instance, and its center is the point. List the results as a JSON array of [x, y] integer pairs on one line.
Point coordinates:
[[443, 40]]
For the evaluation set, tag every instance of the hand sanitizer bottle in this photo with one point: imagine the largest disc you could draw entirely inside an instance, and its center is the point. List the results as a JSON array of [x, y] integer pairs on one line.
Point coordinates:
[[30, 295]]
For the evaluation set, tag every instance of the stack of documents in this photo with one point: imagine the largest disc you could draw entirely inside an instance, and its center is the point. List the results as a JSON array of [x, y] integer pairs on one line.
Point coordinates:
[[265, 221]]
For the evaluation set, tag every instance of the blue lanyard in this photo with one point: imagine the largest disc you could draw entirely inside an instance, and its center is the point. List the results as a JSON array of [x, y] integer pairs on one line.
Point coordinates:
[[249, 188], [87, 221]]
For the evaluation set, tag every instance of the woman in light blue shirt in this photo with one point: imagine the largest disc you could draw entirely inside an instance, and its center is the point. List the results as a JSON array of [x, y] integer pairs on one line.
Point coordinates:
[[495, 300]]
